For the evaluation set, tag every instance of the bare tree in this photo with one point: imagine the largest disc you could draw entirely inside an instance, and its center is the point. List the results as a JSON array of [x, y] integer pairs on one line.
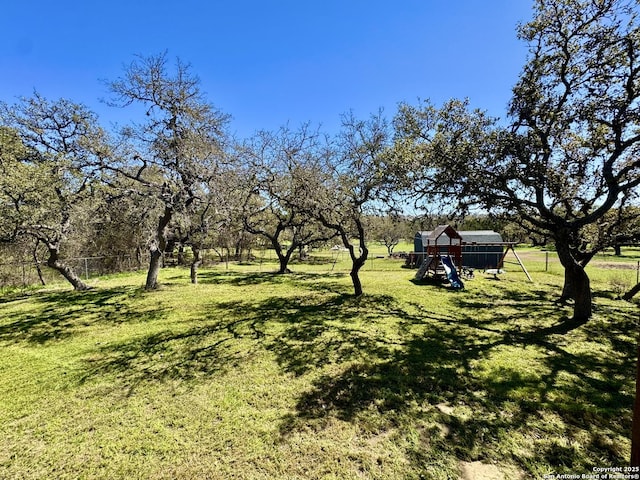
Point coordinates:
[[389, 230], [219, 206], [175, 148], [279, 167], [352, 181]]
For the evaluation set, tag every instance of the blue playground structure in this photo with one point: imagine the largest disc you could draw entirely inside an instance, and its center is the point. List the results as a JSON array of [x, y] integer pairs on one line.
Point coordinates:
[[442, 253], [440, 266], [478, 249], [452, 273]]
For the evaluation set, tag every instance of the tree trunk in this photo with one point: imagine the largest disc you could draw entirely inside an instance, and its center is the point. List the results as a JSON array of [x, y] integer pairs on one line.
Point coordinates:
[[578, 287], [36, 260], [617, 250], [357, 261], [283, 259], [139, 256], [355, 276], [576, 282], [66, 271], [195, 264], [631, 293], [157, 248], [155, 255], [582, 308]]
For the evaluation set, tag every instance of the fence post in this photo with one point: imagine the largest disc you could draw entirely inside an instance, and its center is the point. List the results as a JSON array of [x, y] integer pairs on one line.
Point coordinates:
[[546, 261], [86, 269]]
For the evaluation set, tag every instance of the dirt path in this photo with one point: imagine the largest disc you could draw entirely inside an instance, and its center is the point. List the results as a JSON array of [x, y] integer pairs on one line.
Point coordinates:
[[485, 471]]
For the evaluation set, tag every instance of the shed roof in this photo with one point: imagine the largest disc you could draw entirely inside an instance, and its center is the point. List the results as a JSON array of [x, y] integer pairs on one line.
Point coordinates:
[[480, 236], [469, 236]]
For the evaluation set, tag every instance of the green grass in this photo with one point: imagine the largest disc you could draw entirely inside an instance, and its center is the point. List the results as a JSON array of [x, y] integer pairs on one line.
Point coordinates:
[[256, 376]]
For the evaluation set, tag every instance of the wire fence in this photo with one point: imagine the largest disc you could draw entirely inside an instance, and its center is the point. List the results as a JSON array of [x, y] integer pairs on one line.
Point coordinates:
[[29, 272], [617, 273], [26, 273], [615, 270]]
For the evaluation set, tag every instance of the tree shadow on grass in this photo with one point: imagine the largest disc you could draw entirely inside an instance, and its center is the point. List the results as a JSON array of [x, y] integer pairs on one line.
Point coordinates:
[[54, 316], [258, 278], [499, 381], [498, 386], [305, 333], [198, 352], [237, 278], [224, 335], [316, 331]]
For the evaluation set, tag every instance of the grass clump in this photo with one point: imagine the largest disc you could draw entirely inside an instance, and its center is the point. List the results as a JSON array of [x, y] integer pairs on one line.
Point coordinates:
[[255, 375]]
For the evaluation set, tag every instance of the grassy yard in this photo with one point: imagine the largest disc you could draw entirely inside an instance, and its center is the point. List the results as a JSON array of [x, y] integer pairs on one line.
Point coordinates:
[[250, 375]]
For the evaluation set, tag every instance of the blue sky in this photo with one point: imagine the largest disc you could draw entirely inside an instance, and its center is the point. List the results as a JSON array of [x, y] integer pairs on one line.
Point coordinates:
[[270, 62]]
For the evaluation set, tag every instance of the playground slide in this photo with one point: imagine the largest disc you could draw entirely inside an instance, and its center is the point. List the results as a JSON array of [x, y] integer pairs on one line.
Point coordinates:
[[451, 272], [426, 265]]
